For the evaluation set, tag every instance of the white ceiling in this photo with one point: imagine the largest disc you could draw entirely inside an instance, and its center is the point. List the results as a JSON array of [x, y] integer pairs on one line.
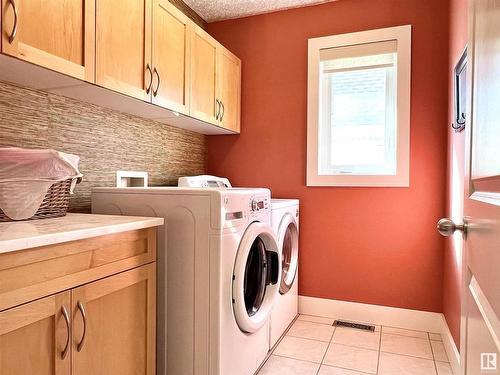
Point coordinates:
[[217, 10]]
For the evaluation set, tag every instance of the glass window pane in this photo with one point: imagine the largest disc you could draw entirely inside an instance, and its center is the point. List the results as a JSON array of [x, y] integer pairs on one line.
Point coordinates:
[[357, 127]]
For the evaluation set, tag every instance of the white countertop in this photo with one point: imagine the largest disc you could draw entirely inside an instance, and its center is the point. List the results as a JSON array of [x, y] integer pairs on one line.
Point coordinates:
[[21, 235]]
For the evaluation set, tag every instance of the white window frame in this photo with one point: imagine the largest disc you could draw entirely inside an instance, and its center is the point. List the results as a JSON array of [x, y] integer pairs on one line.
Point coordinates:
[[402, 35]]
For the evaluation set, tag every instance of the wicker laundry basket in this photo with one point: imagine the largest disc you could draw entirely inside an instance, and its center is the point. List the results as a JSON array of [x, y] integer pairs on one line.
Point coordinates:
[[55, 203]]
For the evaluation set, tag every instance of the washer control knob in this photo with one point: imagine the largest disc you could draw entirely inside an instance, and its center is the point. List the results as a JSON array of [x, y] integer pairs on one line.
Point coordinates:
[[255, 205]]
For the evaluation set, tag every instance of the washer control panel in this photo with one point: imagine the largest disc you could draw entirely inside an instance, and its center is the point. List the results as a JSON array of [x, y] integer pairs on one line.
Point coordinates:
[[242, 206], [257, 205]]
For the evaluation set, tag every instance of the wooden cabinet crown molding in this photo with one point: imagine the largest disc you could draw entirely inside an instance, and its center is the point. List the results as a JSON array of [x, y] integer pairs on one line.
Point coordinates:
[[188, 11]]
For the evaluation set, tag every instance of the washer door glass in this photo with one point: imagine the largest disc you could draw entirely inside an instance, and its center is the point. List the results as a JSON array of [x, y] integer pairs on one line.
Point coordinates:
[[256, 277], [254, 288], [289, 245]]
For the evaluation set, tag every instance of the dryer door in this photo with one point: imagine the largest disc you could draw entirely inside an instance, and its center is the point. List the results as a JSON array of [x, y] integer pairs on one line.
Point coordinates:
[[288, 243], [255, 277]]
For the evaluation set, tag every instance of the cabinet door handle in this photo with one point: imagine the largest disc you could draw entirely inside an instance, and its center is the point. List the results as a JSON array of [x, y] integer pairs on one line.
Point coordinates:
[[155, 92], [223, 111], [65, 315], [14, 28], [81, 308], [148, 89], [217, 109]]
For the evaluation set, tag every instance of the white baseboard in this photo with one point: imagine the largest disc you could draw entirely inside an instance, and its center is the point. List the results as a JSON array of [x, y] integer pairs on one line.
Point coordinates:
[[450, 347], [384, 315]]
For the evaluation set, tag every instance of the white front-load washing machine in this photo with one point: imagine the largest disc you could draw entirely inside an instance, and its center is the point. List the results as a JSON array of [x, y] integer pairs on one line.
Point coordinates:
[[218, 274], [285, 223]]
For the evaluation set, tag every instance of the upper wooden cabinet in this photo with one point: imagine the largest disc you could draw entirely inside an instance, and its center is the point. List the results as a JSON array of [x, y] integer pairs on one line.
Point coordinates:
[[229, 80], [123, 46], [171, 56], [56, 34], [203, 76], [35, 338], [215, 82], [145, 49]]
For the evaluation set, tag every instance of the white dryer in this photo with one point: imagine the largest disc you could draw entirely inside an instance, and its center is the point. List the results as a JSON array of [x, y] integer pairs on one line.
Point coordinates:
[[285, 223], [218, 274]]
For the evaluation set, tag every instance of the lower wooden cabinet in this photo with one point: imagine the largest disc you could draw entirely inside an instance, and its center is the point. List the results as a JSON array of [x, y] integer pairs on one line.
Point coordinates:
[[35, 337], [114, 324], [102, 320]]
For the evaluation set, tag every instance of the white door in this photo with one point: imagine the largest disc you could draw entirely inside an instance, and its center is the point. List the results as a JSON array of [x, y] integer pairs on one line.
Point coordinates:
[[288, 243], [256, 277], [480, 334]]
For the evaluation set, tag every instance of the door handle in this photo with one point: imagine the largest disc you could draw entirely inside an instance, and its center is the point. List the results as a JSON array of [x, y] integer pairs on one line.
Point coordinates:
[[65, 314], [81, 308], [447, 227], [223, 111]]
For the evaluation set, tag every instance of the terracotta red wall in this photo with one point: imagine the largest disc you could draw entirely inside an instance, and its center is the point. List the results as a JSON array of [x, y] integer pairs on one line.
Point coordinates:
[[371, 245], [456, 155]]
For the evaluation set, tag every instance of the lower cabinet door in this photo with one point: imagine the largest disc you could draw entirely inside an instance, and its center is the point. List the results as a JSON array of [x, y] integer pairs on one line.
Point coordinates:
[[114, 324], [35, 337]]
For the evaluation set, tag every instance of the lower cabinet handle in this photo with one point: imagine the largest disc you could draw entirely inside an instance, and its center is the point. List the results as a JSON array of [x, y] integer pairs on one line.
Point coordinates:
[[65, 315], [81, 308]]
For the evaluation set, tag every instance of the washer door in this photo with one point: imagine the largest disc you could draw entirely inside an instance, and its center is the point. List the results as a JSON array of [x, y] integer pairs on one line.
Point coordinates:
[[288, 243], [255, 277]]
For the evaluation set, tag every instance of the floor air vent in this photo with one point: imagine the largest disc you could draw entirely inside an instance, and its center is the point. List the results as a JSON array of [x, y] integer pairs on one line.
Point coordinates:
[[343, 323]]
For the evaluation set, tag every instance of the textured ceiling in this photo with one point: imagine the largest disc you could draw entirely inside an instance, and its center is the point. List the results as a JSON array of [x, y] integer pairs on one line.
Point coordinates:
[[216, 10]]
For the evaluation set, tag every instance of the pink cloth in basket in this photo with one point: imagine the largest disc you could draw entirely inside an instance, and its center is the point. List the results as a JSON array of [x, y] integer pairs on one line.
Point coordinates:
[[26, 175]]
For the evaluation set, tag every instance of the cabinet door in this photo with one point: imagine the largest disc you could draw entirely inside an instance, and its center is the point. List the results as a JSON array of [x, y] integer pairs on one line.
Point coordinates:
[[56, 34], [33, 337], [123, 46], [114, 324], [171, 56], [203, 76], [229, 79]]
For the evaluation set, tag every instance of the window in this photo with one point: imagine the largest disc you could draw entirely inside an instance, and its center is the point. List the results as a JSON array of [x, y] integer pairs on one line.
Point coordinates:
[[358, 109]]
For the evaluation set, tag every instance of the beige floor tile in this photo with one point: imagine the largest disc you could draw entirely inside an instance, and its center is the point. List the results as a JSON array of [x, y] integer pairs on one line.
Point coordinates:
[[394, 364], [316, 319], [444, 368], [303, 349], [287, 366], [329, 370], [310, 330], [435, 336], [351, 358], [404, 332], [406, 346], [439, 351], [356, 337]]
